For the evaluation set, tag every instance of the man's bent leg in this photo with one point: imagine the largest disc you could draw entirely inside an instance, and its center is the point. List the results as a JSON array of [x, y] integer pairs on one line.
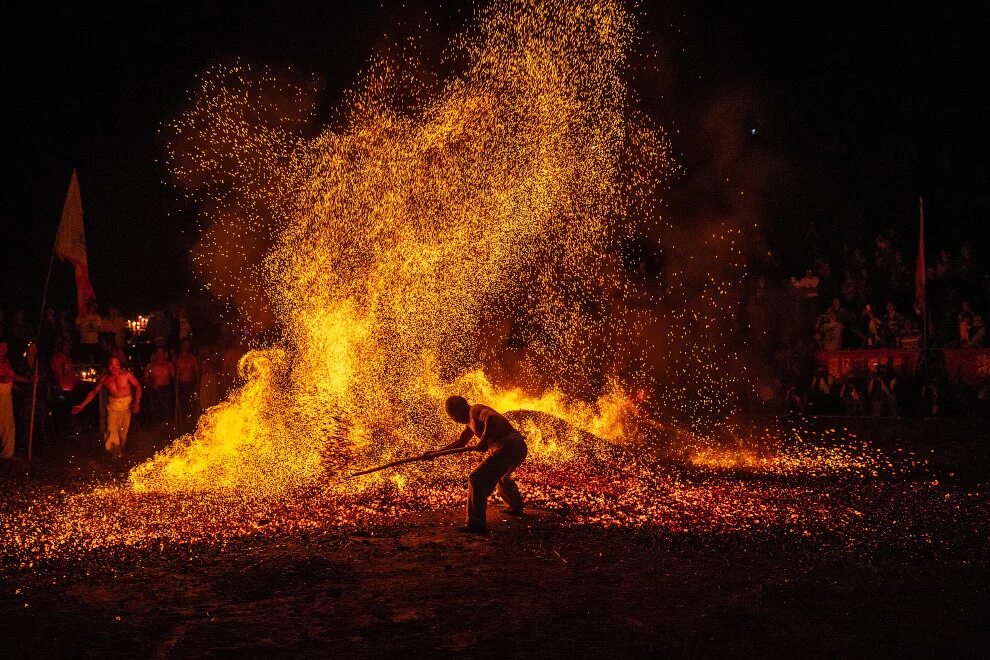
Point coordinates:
[[508, 490], [481, 482]]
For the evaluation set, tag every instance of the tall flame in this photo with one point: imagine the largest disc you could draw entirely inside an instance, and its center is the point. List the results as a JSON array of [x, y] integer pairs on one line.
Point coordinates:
[[414, 243]]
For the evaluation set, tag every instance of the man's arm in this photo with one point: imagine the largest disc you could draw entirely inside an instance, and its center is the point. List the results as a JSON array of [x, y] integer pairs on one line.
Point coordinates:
[[136, 406], [461, 441], [89, 397]]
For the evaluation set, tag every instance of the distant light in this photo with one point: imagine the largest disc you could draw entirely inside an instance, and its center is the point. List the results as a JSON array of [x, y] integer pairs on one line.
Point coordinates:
[[752, 131]]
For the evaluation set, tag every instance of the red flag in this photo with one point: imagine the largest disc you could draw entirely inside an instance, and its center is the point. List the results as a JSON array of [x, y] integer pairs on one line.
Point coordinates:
[[70, 243], [919, 271]]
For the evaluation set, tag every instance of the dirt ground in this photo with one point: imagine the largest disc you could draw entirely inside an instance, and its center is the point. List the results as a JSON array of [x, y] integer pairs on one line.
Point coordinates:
[[536, 587]]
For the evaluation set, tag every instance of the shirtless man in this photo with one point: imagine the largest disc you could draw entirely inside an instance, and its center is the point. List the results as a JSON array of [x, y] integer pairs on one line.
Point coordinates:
[[6, 404], [121, 384], [64, 393], [188, 373], [158, 377], [494, 432]]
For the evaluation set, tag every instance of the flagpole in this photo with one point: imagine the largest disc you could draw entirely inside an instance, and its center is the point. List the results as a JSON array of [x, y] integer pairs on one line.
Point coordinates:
[[37, 340], [921, 243]]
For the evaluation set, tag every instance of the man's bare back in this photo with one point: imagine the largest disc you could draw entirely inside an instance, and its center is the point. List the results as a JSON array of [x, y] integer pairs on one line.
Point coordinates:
[[187, 368]]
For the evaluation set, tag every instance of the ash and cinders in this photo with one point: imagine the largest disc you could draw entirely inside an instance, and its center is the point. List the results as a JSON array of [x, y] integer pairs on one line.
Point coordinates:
[[737, 559]]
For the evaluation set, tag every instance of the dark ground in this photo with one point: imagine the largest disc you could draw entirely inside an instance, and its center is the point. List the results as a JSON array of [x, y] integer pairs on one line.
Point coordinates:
[[533, 588]]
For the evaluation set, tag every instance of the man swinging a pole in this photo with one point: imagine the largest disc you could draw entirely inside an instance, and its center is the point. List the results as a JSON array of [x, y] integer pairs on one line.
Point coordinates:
[[494, 432]]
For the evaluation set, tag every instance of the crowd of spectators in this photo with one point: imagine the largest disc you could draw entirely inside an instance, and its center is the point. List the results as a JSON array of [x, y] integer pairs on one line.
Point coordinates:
[[858, 298], [182, 373]]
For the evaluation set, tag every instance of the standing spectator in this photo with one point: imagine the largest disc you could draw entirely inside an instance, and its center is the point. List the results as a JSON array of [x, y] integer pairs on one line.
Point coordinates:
[[49, 333], [806, 289], [963, 321], [931, 398], [64, 390], [968, 272], [7, 427], [822, 397], [852, 291], [65, 330], [115, 324], [89, 324], [27, 395], [157, 329], [899, 281], [21, 332], [183, 326], [849, 395], [158, 377], [883, 258], [188, 373], [879, 392], [851, 336]]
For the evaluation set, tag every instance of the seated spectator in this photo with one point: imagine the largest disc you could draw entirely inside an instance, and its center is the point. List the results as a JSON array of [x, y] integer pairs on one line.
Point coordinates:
[[827, 287], [893, 322], [883, 255], [828, 331], [807, 286], [899, 280], [851, 336], [976, 333], [855, 287], [874, 326], [943, 268], [909, 337], [967, 267]]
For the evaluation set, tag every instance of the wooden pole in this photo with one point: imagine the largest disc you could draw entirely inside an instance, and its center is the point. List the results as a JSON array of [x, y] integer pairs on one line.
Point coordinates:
[[413, 459], [37, 357], [921, 244]]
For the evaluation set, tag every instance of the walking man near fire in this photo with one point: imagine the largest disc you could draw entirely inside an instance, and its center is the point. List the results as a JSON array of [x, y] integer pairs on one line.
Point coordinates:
[[493, 432], [125, 398]]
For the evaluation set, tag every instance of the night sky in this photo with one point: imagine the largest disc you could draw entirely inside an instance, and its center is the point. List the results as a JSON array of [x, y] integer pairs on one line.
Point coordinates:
[[856, 112]]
